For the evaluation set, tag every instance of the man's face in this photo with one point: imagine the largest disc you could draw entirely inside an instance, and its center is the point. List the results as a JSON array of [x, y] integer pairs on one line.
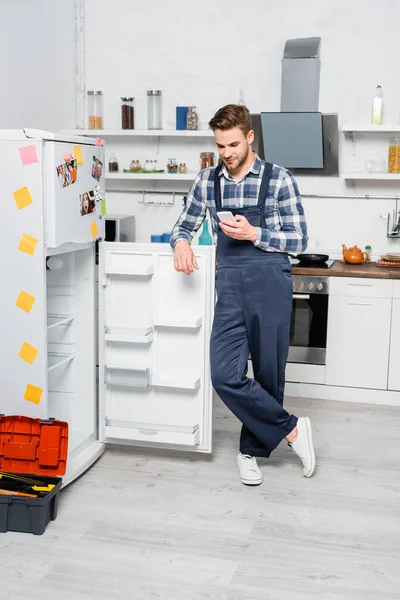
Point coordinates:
[[233, 147]]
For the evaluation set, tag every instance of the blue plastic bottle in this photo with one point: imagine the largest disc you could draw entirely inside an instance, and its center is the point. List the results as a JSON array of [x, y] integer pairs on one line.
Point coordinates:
[[205, 238]]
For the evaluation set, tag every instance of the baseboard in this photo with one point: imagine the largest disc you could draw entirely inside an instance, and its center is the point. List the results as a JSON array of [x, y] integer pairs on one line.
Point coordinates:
[[342, 394]]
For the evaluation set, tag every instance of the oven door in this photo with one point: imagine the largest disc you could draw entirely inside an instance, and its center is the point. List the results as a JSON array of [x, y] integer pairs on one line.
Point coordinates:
[[308, 327]]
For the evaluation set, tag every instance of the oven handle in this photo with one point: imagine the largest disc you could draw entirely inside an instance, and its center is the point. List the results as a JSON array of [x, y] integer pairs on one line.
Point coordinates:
[[301, 296]]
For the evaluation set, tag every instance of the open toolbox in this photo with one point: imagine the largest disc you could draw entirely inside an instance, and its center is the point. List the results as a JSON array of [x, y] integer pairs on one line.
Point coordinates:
[[33, 456]]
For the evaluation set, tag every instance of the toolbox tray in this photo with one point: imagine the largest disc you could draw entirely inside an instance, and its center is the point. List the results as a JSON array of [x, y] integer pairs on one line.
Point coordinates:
[[36, 449]]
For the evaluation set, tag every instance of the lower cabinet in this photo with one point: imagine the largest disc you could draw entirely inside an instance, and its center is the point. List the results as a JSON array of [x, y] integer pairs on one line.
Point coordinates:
[[359, 323], [394, 349]]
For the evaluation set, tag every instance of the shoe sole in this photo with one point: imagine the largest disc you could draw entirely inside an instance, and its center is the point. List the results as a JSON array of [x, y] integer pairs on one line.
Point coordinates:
[[311, 448], [251, 481]]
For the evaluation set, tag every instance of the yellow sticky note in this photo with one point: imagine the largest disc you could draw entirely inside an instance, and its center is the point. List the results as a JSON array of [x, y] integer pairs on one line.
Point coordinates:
[[27, 244], [78, 155], [22, 197], [33, 393], [94, 229], [25, 301], [28, 352]]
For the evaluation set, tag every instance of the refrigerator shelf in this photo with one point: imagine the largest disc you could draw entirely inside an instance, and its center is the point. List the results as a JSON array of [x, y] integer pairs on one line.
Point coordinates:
[[57, 320], [182, 384], [129, 376], [179, 323], [56, 359], [152, 432], [130, 336], [137, 271]]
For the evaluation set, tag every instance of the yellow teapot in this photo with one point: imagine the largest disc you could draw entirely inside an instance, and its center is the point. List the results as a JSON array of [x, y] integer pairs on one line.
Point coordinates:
[[354, 255]]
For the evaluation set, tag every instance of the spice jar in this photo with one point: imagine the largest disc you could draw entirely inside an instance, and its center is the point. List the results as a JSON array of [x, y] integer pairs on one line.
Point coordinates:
[[394, 155], [192, 119], [182, 168], [135, 166], [207, 160], [172, 165], [127, 113], [154, 102], [95, 109], [113, 164], [148, 165]]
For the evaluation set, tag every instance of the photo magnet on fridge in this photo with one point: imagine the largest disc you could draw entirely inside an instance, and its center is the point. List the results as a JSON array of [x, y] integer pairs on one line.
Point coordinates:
[[67, 173], [87, 203], [97, 168]]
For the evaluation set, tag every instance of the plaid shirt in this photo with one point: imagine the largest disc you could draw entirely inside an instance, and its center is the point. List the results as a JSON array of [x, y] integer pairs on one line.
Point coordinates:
[[285, 226]]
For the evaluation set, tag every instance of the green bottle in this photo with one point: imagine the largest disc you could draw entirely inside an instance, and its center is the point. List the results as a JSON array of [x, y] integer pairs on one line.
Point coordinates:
[[205, 238]]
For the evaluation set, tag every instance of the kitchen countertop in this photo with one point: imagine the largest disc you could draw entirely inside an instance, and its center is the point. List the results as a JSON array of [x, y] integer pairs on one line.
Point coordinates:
[[339, 269]]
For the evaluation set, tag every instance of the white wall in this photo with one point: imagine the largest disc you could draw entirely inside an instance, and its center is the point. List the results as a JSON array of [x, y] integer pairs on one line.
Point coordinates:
[[200, 53], [37, 64]]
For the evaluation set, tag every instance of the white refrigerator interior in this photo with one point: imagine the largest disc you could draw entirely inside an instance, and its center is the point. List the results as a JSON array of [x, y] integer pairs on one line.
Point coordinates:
[[155, 323]]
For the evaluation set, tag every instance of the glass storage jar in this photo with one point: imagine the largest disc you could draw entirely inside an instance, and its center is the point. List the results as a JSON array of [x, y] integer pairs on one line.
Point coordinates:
[[394, 155], [182, 168], [207, 160], [127, 113], [192, 119], [135, 166], [113, 164], [172, 165], [154, 106], [95, 109]]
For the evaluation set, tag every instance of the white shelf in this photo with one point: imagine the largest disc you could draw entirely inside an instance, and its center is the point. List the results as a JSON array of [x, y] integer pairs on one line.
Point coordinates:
[[58, 359], [152, 176], [57, 320], [177, 383], [371, 128], [179, 323], [107, 133], [132, 336], [138, 271], [128, 375], [372, 176]]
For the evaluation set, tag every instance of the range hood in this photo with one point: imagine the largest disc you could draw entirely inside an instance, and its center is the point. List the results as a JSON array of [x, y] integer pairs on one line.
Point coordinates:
[[299, 137]]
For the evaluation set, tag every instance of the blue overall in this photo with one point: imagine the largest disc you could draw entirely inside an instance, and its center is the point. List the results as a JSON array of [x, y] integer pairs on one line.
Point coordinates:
[[254, 303]]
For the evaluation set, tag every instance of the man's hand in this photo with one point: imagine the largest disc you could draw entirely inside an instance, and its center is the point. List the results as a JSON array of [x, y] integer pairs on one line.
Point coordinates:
[[184, 258], [240, 229]]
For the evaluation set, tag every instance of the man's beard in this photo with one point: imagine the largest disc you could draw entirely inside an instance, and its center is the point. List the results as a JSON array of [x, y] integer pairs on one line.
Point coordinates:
[[241, 162]]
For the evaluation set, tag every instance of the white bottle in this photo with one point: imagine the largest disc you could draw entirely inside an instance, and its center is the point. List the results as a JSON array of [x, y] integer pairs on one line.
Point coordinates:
[[377, 107]]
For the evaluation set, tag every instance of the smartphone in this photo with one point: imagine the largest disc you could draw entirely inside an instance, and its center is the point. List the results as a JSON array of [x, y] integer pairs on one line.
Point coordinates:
[[225, 215]]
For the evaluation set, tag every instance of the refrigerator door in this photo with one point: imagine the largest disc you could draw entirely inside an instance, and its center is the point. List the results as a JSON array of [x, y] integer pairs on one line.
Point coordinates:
[[73, 193], [154, 330]]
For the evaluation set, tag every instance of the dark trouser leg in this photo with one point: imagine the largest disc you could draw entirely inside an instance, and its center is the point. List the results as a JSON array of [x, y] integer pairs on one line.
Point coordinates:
[[239, 320]]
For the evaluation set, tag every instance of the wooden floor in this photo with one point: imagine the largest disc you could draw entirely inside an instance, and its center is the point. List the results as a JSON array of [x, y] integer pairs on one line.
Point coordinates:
[[144, 525]]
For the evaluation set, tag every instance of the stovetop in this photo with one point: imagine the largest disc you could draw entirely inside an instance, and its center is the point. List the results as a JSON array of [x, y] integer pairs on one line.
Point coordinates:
[[325, 265]]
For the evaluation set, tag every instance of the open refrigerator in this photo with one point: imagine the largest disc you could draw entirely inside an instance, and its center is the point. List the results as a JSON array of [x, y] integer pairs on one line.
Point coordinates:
[[153, 386]]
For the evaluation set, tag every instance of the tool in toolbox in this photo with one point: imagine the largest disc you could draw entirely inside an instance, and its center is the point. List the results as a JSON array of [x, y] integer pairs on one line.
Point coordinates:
[[33, 455]]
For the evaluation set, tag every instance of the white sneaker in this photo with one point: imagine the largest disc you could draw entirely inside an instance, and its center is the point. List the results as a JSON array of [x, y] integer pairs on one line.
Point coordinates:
[[303, 446], [250, 474]]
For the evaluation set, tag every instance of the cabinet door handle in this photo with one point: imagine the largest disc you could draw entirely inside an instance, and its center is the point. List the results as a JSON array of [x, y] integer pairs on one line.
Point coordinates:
[[301, 296], [362, 284], [360, 303]]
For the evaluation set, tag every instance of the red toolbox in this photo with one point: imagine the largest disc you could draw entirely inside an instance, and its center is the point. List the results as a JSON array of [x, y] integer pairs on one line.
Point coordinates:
[[33, 455]]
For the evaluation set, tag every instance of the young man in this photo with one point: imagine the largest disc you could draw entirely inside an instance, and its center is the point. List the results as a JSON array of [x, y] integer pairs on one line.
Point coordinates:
[[254, 286]]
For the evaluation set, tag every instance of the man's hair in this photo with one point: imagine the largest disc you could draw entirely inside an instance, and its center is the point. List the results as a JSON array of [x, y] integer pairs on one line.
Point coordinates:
[[230, 116]]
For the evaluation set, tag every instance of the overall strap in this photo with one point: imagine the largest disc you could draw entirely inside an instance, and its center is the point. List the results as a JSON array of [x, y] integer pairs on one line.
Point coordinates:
[[264, 184], [217, 188]]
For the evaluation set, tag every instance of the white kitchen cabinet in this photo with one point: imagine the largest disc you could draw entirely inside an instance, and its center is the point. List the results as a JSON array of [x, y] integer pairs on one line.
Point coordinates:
[[394, 351], [359, 321]]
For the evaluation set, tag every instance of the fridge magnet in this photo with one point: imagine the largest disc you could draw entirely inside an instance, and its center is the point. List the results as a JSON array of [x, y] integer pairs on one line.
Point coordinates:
[[97, 168], [94, 229], [22, 198], [27, 244], [78, 155], [33, 393], [87, 203], [67, 173], [28, 352], [25, 301], [28, 155]]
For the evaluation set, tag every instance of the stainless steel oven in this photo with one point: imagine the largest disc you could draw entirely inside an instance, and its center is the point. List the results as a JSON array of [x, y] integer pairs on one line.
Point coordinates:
[[309, 321]]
